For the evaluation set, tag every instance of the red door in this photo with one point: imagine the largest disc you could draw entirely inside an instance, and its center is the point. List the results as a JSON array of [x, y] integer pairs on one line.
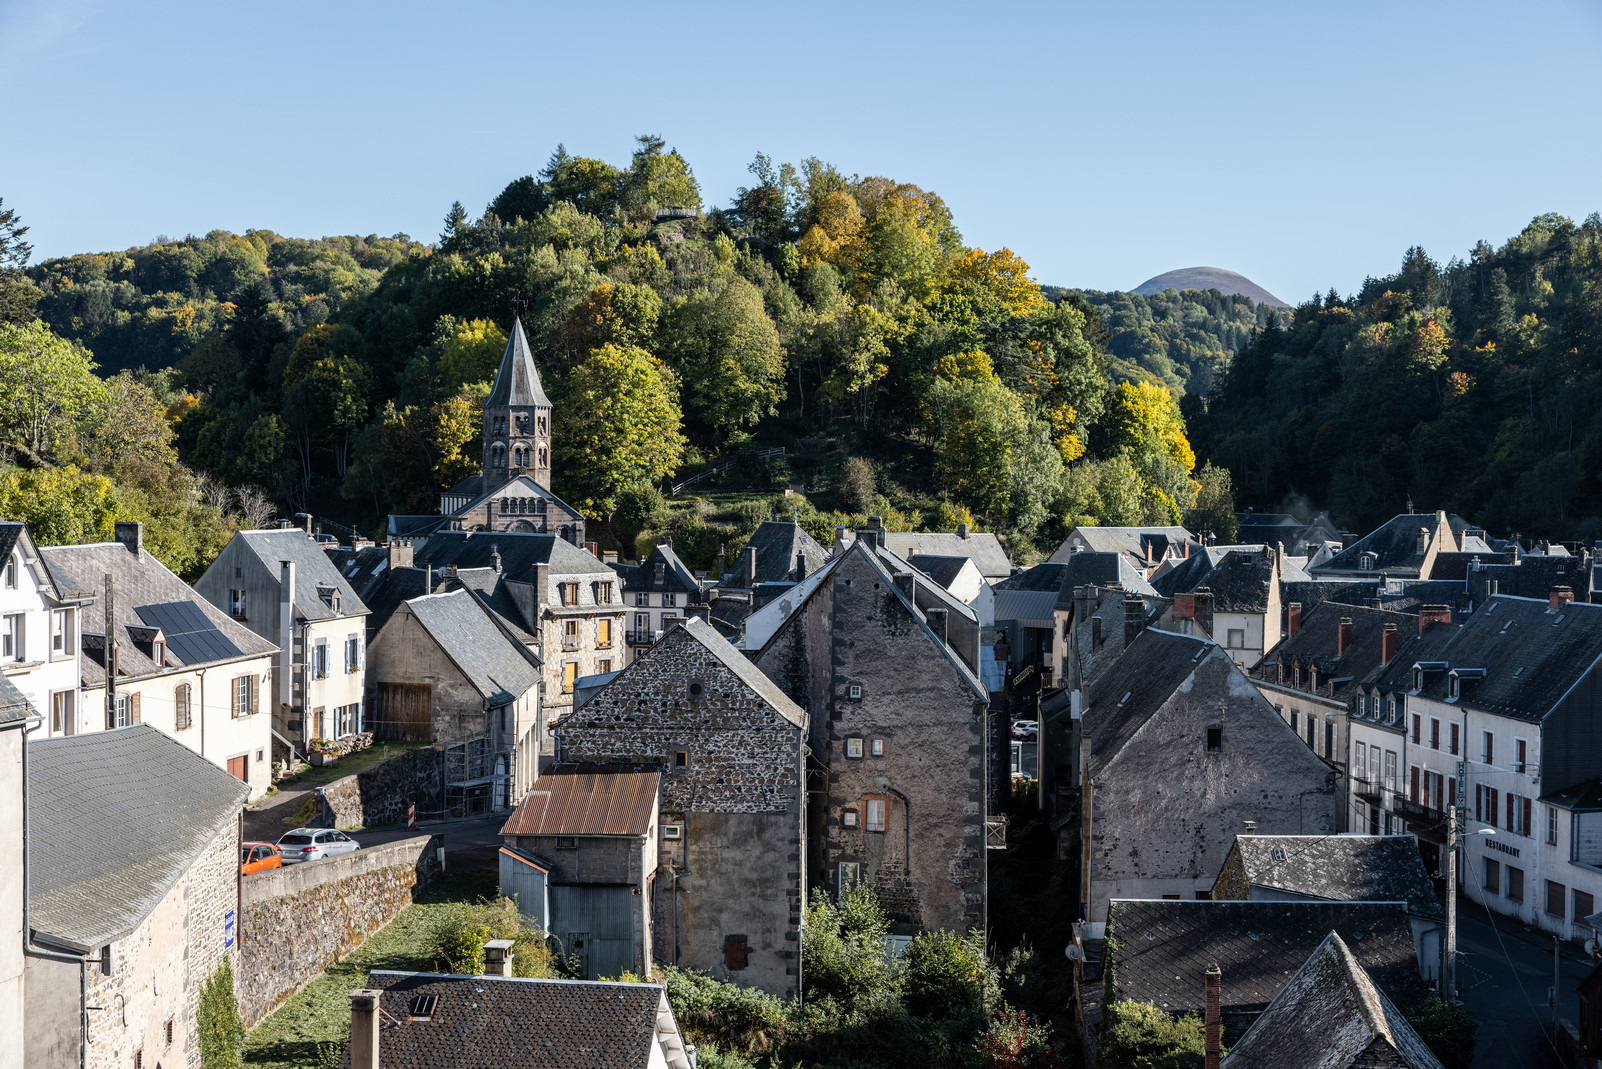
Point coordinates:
[[239, 768]]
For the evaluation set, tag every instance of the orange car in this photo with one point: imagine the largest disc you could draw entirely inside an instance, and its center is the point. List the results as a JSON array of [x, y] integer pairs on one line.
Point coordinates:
[[258, 857]]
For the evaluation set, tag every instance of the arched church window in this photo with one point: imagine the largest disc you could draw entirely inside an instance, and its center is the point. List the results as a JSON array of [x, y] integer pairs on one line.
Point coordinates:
[[506, 505], [544, 459], [543, 427], [539, 505], [497, 455]]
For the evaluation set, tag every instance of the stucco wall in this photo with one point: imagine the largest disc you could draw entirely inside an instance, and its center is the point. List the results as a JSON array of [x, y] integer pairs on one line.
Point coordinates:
[[297, 921], [379, 794], [11, 891]]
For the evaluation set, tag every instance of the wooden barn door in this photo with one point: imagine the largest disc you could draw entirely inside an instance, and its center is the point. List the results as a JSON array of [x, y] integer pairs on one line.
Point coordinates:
[[403, 712]]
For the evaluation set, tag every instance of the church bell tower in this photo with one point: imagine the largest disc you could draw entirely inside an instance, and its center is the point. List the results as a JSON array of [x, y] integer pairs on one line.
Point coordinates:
[[517, 419]]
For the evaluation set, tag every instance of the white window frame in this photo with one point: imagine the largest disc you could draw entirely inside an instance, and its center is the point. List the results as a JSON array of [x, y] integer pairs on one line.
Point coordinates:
[[853, 747], [353, 653], [1236, 638], [317, 667], [1551, 825], [241, 696], [60, 634], [873, 814], [11, 572], [123, 710], [61, 711], [236, 604], [876, 748]]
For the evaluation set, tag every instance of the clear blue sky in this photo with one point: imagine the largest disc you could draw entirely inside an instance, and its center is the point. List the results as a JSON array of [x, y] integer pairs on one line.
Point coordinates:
[[1304, 145]]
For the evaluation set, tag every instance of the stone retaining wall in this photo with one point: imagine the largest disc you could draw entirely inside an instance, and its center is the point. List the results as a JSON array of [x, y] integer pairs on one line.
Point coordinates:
[[298, 920], [378, 795]]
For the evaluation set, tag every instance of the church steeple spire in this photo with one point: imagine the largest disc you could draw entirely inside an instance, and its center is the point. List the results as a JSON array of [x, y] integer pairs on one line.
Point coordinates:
[[517, 419]]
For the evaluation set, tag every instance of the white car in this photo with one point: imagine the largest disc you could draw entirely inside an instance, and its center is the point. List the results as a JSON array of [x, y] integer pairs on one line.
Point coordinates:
[[1025, 729], [309, 844]]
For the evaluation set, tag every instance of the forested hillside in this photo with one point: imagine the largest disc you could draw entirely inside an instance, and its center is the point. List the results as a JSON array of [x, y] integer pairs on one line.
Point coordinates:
[[841, 317], [1181, 338], [1474, 387]]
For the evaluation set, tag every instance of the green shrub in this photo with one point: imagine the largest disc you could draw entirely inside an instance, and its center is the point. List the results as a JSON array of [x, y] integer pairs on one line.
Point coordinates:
[[459, 940], [842, 946], [857, 485], [1013, 1041], [222, 1032], [1449, 1030], [1138, 1035], [639, 506], [948, 978], [740, 1021]]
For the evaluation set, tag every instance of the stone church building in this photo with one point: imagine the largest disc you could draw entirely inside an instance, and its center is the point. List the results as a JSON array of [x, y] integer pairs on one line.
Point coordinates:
[[514, 491]]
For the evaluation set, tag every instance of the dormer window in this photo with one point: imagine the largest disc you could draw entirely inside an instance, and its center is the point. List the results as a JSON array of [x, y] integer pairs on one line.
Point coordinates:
[[160, 654], [1418, 678], [329, 595], [11, 572], [1367, 561]]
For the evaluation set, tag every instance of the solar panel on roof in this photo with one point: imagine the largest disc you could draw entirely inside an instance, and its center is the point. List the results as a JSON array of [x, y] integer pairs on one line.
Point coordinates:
[[192, 637]]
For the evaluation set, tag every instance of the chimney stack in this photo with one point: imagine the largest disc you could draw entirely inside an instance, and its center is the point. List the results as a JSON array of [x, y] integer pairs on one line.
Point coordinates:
[[400, 553], [1555, 599], [800, 566], [1185, 608], [903, 581], [308, 523], [1433, 614], [1134, 619], [1293, 619], [962, 530], [542, 587], [364, 1028], [495, 559], [609, 556], [428, 578], [1212, 1014], [750, 555], [131, 533], [498, 957], [1204, 610], [937, 622], [1387, 643], [700, 610], [1345, 637], [1249, 827]]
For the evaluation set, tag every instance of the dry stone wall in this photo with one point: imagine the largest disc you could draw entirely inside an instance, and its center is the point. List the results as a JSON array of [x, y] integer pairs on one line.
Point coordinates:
[[297, 921], [379, 795]]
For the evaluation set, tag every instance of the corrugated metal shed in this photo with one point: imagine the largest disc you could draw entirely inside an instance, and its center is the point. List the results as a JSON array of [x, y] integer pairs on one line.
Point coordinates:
[[587, 800]]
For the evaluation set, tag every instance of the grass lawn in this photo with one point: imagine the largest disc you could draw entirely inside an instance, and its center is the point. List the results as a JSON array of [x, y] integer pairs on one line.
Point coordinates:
[[319, 1014], [348, 765]]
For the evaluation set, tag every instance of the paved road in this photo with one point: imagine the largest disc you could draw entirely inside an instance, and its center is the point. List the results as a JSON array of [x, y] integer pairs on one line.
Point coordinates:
[[1511, 1002], [468, 843]]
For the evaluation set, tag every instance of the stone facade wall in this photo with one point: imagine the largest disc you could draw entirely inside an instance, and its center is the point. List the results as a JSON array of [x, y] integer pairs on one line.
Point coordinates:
[[157, 971], [929, 863], [379, 794], [739, 800], [1232, 883], [298, 920]]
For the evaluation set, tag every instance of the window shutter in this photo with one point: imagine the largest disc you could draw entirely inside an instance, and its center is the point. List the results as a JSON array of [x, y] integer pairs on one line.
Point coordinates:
[[734, 955], [1525, 828], [255, 694], [133, 709], [1412, 783], [1510, 812]]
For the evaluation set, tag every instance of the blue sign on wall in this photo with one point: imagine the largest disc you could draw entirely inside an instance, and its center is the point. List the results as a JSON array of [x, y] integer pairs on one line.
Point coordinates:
[[228, 930]]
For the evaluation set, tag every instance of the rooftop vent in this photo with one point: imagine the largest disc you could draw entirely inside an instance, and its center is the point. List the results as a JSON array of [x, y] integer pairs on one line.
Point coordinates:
[[422, 1007]]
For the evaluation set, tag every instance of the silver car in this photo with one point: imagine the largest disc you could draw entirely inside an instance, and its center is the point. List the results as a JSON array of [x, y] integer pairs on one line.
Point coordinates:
[[309, 844]]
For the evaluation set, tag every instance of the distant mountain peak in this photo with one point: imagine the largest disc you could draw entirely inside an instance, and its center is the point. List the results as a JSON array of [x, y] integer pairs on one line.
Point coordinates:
[[1208, 278]]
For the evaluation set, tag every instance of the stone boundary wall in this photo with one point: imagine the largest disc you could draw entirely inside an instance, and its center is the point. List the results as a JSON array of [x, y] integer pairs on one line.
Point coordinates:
[[378, 795], [298, 920]]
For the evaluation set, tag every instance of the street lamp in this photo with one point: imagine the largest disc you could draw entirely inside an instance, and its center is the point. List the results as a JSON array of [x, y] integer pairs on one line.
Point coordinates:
[[1449, 949]]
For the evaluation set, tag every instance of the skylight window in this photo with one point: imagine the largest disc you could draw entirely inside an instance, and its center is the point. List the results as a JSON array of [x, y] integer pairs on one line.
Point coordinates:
[[1519, 670], [1278, 854]]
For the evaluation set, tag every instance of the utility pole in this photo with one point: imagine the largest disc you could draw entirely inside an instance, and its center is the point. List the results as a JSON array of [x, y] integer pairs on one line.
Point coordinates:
[[1449, 949]]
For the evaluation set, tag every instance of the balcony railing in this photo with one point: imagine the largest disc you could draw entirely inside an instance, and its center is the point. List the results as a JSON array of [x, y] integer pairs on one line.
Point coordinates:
[[570, 643]]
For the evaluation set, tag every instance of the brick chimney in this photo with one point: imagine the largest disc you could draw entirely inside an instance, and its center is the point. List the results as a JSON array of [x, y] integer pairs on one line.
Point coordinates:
[[1433, 614], [1344, 639], [1387, 643], [498, 957], [1556, 598], [1212, 1014], [1185, 608], [400, 553], [1204, 610], [131, 533], [364, 1028], [1293, 619]]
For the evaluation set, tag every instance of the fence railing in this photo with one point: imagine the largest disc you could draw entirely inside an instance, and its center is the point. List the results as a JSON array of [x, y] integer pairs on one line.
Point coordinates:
[[761, 454]]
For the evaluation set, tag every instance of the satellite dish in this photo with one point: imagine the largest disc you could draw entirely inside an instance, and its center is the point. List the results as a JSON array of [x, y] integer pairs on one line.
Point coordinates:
[[1072, 951]]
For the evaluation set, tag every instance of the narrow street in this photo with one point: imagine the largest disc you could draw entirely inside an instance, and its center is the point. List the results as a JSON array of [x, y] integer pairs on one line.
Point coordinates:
[[1511, 1000]]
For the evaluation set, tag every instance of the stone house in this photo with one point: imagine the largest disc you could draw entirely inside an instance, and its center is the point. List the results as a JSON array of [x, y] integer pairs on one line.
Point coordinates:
[[181, 664], [1159, 952], [282, 587], [41, 617], [513, 491], [1313, 678], [1242, 604], [960, 578], [126, 923], [658, 593], [545, 587], [1331, 1015], [778, 555], [408, 1020], [1178, 750], [446, 674], [731, 874], [1339, 868], [1404, 547], [900, 740], [1145, 548], [580, 857]]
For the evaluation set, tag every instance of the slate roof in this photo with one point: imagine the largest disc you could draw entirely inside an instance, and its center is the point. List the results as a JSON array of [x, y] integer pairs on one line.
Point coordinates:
[[981, 547], [519, 553], [1532, 577], [1530, 654], [148, 597], [1343, 868], [498, 668], [1148, 672], [1089, 568], [676, 577], [470, 487], [362, 568], [393, 588], [777, 543], [1132, 542], [1411, 648], [943, 570], [517, 382], [1047, 576], [1160, 950], [1032, 608], [115, 818], [490, 590], [492, 1022], [587, 800], [728, 614], [312, 569], [66, 587], [1394, 545], [13, 706], [1240, 582], [1331, 1015], [736, 662], [1581, 797], [405, 526], [1315, 642]]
